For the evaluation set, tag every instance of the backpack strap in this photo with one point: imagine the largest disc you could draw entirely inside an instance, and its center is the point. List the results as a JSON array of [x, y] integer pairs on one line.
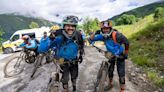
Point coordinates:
[[80, 42], [37, 41], [114, 36]]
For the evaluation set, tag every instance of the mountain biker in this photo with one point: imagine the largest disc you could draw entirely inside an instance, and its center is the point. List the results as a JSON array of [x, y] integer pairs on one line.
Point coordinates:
[[44, 42], [44, 45], [83, 36], [69, 42], [29, 43], [113, 41]]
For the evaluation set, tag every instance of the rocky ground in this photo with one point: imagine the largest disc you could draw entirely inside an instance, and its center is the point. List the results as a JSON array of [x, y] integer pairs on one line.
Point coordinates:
[[138, 77]]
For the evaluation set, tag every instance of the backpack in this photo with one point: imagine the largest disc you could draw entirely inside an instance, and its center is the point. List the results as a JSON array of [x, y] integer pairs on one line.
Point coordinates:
[[114, 36], [44, 45], [114, 46], [70, 46]]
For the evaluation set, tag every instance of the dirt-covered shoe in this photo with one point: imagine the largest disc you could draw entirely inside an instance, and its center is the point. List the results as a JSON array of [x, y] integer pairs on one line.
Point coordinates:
[[122, 90], [108, 87], [122, 87], [74, 88], [65, 87]]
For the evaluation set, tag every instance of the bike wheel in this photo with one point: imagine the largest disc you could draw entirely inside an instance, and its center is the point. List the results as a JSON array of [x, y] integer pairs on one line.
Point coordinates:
[[36, 65], [99, 76], [102, 81], [29, 58], [53, 88], [54, 83], [14, 67]]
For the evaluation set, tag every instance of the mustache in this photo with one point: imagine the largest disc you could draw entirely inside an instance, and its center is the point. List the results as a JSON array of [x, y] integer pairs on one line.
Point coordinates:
[[70, 29]]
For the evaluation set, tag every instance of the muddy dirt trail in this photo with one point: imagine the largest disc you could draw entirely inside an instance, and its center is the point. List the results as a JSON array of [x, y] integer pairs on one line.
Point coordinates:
[[89, 69], [85, 83]]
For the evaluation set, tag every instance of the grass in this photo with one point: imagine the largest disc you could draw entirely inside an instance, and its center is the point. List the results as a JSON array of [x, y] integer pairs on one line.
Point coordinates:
[[155, 78], [147, 46], [161, 43], [147, 49], [0, 49], [128, 30], [144, 53]]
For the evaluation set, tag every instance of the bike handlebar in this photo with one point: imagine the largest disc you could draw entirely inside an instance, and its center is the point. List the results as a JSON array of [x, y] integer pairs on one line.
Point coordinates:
[[107, 54]]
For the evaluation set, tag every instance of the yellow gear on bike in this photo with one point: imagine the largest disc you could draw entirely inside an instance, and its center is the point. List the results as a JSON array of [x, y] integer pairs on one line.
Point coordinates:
[[60, 61], [54, 28]]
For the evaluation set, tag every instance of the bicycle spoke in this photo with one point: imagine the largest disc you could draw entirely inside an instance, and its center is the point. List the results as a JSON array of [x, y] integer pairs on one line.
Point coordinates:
[[14, 66]]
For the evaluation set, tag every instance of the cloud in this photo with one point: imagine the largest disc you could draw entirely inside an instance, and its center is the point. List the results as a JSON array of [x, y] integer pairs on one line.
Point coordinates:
[[133, 4], [48, 9]]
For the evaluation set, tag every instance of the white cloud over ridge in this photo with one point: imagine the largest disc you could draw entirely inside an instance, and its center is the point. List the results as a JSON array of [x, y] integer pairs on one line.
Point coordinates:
[[48, 9]]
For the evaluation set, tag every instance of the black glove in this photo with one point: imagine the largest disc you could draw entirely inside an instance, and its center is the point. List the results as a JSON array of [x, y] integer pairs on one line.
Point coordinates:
[[80, 59], [124, 56]]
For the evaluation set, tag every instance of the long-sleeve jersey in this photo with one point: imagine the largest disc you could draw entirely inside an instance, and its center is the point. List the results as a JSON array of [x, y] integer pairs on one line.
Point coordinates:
[[120, 39], [31, 44]]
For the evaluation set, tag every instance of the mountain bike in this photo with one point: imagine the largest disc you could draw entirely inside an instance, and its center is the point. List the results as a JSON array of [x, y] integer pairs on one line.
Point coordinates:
[[54, 83], [16, 64], [39, 59], [103, 71], [55, 76]]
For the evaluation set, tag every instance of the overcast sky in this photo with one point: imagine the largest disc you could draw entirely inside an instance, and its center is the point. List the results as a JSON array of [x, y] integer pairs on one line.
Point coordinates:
[[50, 9]]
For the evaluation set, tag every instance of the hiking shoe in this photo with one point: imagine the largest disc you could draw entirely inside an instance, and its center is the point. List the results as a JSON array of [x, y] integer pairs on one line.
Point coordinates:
[[122, 88], [74, 88], [110, 86]]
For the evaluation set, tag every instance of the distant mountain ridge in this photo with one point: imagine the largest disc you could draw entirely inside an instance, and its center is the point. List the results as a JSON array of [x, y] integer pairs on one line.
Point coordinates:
[[143, 11], [11, 23]]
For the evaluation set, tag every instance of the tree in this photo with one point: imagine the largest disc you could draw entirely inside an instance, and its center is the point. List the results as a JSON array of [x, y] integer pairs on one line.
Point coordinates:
[[79, 27], [126, 19], [33, 25], [90, 25], [1, 33], [96, 23], [159, 13]]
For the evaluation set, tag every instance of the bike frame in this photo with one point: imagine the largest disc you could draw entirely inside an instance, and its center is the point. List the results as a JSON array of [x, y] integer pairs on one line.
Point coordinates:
[[39, 60], [102, 73]]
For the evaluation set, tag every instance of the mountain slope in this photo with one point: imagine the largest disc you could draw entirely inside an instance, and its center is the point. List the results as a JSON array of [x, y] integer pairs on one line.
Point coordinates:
[[10, 23], [142, 11], [147, 50]]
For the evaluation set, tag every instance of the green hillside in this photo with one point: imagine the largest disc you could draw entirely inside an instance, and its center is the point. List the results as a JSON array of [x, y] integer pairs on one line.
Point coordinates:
[[147, 50], [147, 46], [10, 23], [143, 11], [147, 41], [128, 30]]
